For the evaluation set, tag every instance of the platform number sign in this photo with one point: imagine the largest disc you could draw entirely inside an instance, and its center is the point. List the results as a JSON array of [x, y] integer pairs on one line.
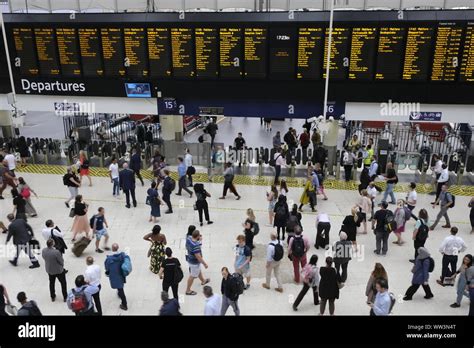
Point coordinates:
[[168, 106]]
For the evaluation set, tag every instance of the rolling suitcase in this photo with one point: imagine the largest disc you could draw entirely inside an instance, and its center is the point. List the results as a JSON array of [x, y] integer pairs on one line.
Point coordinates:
[[79, 246]]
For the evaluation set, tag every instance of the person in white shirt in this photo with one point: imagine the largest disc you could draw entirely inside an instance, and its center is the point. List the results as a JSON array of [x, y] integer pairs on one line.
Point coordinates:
[[50, 228], [411, 198], [372, 193], [190, 170], [443, 179], [11, 160], [450, 248], [280, 161], [272, 264], [213, 302], [114, 177], [92, 277], [436, 169]]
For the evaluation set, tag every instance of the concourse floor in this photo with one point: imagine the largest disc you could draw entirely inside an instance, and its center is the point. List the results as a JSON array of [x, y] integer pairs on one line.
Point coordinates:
[[128, 226]]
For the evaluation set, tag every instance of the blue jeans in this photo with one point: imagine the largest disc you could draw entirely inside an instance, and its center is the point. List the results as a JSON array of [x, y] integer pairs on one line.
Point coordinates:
[[116, 188], [461, 289], [389, 191]]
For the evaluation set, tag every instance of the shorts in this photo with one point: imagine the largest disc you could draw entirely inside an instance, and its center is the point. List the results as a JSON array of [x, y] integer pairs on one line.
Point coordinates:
[[363, 217], [101, 233], [194, 270], [271, 206], [245, 272]]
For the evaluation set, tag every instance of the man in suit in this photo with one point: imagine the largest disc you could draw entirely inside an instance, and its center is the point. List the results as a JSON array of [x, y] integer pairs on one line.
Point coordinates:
[[167, 188], [54, 264], [135, 164], [22, 233], [127, 183]]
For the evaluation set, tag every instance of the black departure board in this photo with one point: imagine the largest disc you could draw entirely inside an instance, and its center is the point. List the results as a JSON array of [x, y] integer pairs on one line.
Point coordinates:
[[182, 50], [389, 53], [466, 73], [112, 52], [25, 51], [159, 52], [418, 53], [135, 52], [206, 52], [68, 52], [230, 52], [447, 52], [255, 52], [310, 53], [47, 52], [283, 44], [363, 48], [90, 48], [339, 53]]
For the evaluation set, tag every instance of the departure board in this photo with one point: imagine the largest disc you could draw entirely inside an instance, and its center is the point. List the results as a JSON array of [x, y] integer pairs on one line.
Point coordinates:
[[417, 53], [447, 52], [26, 51], [112, 52], [159, 52], [182, 52], [89, 43], [466, 73], [206, 52], [68, 52], [310, 53], [255, 52], [47, 51], [339, 53], [363, 48], [135, 52], [389, 53], [283, 44], [230, 52]]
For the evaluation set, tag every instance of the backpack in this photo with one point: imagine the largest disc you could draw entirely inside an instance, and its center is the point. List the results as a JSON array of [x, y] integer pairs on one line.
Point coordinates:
[[33, 311], [201, 138], [126, 266], [92, 221], [281, 211], [25, 193], [422, 234], [292, 223], [178, 274], [238, 285], [393, 300], [390, 224], [66, 180], [79, 301], [278, 255], [297, 247], [172, 184], [432, 264], [453, 198], [407, 213], [273, 160], [255, 228]]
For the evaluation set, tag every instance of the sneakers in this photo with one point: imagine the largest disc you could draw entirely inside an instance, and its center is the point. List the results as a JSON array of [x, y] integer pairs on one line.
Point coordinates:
[[455, 305]]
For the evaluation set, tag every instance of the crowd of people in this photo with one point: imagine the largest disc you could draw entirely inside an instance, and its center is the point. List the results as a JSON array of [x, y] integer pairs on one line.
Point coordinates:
[[326, 278]]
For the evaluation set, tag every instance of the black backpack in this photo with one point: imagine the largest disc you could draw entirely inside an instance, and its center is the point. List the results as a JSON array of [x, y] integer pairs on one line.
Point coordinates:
[[92, 221], [297, 247], [255, 228], [390, 224], [238, 285], [201, 138], [453, 199], [292, 223], [280, 211], [278, 255], [423, 230], [171, 184], [178, 274], [66, 180], [432, 264]]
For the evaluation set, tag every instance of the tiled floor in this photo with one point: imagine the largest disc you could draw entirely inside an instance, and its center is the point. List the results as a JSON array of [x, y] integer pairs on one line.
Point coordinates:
[[128, 226]]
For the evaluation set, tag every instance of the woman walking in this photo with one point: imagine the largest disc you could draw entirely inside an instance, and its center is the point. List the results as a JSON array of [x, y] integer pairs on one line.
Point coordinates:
[[421, 275], [365, 205], [421, 232], [377, 273], [153, 200], [168, 273], [84, 166], [328, 287], [321, 177], [80, 223], [249, 228], [201, 203], [283, 187], [24, 150], [157, 248], [350, 225], [19, 205], [272, 197], [308, 195], [461, 286], [25, 191], [311, 278], [400, 219]]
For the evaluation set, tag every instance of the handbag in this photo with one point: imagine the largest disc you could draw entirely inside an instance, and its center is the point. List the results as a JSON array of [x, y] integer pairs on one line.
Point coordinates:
[[72, 213], [195, 206], [11, 310], [148, 200]]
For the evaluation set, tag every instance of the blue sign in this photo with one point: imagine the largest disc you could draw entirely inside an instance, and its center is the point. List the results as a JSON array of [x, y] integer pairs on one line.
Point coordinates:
[[425, 116], [167, 106], [138, 90]]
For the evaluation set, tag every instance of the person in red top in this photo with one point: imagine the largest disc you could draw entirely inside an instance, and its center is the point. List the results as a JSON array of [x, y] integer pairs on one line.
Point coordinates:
[[297, 249], [305, 140], [84, 166]]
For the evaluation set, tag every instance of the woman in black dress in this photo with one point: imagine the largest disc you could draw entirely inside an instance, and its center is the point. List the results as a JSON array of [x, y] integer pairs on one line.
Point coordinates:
[[328, 287], [201, 203], [19, 205], [350, 224], [282, 214]]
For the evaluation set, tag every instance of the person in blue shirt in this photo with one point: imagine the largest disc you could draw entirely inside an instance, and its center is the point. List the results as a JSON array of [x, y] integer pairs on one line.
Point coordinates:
[[82, 291], [170, 307], [383, 302], [182, 170], [315, 182], [194, 258]]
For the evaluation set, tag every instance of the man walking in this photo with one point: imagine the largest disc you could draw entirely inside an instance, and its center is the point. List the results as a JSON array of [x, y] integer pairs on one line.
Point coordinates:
[[450, 249], [92, 277], [127, 183], [229, 181], [54, 264], [182, 178], [194, 258], [240, 145], [342, 255], [378, 226], [445, 201], [114, 177], [274, 256], [211, 129], [280, 161], [442, 179], [297, 249], [22, 233], [136, 164], [99, 229], [79, 299], [168, 187], [53, 232], [113, 270], [190, 170]]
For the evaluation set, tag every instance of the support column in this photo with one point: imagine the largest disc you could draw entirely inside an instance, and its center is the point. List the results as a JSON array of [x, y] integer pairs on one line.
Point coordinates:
[[330, 144], [6, 123], [171, 127]]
